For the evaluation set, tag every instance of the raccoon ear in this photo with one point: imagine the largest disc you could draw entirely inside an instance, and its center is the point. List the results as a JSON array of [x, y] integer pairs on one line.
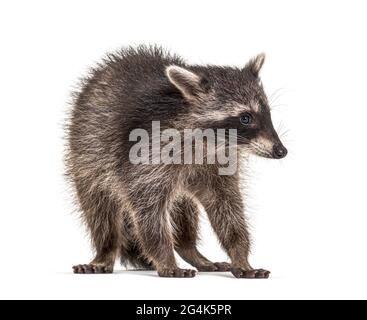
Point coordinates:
[[255, 64], [189, 83]]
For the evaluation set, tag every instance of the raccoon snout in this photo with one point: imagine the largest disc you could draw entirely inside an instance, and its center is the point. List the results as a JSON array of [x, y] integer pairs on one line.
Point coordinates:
[[279, 151]]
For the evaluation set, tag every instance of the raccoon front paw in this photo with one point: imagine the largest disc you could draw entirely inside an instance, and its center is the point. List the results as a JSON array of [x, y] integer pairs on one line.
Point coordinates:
[[91, 268], [250, 274], [216, 266], [177, 273]]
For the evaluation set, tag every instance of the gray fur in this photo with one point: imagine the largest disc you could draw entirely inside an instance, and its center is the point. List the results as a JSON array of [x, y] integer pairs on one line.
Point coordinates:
[[142, 213]]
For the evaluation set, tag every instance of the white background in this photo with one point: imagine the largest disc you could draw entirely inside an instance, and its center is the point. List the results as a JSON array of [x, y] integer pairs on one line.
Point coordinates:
[[308, 211]]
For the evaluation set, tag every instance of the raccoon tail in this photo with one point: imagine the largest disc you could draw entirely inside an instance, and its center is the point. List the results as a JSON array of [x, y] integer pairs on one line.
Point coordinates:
[[130, 252], [133, 256]]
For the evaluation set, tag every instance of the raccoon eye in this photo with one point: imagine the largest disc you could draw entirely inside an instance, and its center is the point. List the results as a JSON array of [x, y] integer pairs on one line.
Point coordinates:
[[246, 119]]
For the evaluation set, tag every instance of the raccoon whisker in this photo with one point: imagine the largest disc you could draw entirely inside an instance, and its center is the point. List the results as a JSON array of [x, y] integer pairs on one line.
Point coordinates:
[[276, 91], [225, 145], [241, 139], [275, 106], [238, 138], [280, 126], [261, 149], [284, 133], [281, 131], [276, 95]]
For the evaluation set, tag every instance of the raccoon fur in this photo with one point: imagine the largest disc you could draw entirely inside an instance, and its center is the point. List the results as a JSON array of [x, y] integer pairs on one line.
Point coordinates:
[[141, 214]]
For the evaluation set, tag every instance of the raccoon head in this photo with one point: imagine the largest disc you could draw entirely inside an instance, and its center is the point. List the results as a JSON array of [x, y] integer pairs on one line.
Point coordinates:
[[230, 98]]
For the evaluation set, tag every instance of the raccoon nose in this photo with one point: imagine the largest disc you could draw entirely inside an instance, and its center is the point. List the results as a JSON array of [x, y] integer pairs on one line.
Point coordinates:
[[279, 151]]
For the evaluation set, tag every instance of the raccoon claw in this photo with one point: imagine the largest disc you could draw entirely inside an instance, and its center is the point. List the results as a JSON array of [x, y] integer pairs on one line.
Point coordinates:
[[217, 266], [90, 269], [177, 273], [250, 274]]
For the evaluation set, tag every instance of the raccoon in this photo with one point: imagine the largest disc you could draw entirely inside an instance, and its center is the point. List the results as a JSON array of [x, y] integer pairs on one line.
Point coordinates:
[[143, 213]]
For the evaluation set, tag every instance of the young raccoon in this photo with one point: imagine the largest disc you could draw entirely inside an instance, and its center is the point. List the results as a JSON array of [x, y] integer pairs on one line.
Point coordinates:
[[142, 213]]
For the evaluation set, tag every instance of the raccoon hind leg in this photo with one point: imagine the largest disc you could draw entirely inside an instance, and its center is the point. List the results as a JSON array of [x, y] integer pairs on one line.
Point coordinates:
[[102, 216]]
